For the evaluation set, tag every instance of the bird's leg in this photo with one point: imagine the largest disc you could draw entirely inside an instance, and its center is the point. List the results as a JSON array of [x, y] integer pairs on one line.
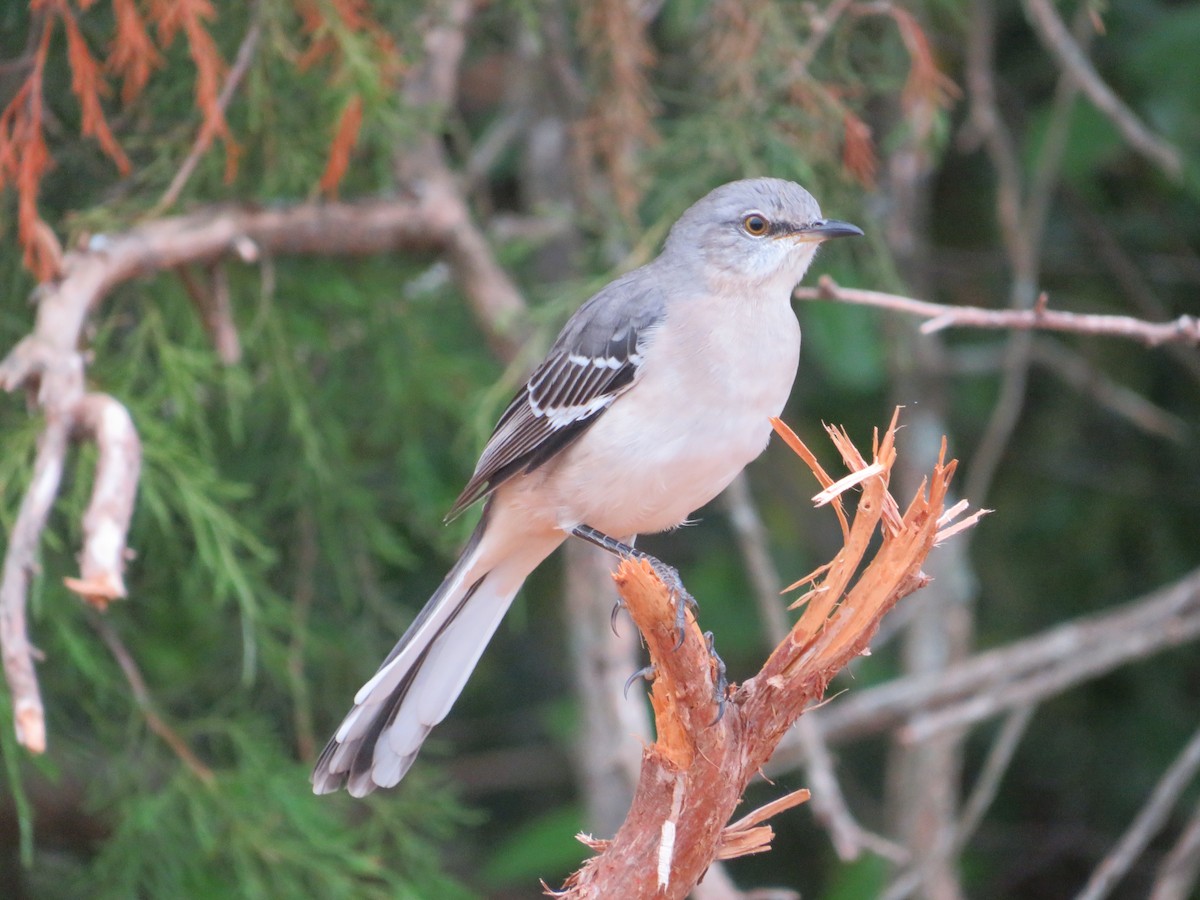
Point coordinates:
[[667, 574]]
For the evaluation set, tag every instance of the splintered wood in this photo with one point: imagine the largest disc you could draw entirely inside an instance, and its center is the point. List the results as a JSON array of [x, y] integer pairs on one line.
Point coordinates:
[[693, 776], [841, 610]]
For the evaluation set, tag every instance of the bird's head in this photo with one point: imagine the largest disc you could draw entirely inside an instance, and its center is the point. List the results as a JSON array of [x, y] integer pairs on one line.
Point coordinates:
[[760, 230]]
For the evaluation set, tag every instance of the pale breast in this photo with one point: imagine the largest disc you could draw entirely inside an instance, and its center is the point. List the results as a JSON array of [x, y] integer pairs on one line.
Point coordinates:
[[697, 416]]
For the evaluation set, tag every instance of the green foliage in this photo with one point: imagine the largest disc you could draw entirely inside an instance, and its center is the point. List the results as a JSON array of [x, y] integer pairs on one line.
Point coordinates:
[[252, 834], [865, 877], [846, 347], [1092, 145], [279, 508], [540, 849]]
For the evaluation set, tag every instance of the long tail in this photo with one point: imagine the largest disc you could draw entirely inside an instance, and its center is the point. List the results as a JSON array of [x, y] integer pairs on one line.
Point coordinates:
[[424, 674]]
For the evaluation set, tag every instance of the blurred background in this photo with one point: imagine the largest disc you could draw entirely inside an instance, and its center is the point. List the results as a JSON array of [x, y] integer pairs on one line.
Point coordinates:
[[289, 517]]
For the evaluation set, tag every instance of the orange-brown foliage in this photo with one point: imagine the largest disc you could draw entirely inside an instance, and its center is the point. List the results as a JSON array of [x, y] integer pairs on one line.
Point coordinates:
[[142, 30], [343, 142], [132, 56]]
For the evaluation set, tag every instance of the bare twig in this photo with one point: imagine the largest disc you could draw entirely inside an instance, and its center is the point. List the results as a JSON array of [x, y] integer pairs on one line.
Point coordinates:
[[994, 767], [820, 24], [1044, 180], [54, 375], [986, 125], [145, 703], [495, 300], [1176, 877], [421, 223], [214, 305], [110, 509], [1182, 330], [1022, 214], [1113, 256], [751, 537], [1038, 685], [1079, 373], [1055, 36], [20, 565], [241, 64], [955, 839], [1023, 672], [1146, 823], [831, 810]]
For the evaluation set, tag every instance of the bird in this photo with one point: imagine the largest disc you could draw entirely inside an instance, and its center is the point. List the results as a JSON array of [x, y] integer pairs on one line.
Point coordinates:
[[656, 394]]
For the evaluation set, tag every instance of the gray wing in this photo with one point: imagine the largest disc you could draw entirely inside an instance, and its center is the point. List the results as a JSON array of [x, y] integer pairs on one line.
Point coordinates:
[[595, 359]]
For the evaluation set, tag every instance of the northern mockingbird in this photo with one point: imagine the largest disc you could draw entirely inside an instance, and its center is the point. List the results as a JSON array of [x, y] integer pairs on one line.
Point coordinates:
[[656, 394]]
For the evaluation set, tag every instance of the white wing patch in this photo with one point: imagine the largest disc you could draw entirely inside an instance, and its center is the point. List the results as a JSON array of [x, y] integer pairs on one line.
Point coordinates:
[[607, 362], [561, 416]]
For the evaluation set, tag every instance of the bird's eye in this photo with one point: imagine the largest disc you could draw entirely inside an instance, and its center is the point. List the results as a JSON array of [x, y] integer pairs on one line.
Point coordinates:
[[755, 225]]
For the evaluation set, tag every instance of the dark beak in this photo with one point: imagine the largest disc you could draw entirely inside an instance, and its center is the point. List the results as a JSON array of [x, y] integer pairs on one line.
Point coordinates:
[[824, 229]]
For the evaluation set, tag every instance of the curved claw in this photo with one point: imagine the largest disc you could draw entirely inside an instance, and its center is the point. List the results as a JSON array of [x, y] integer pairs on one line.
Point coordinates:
[[720, 687], [646, 673], [683, 602], [616, 611], [680, 621], [666, 574]]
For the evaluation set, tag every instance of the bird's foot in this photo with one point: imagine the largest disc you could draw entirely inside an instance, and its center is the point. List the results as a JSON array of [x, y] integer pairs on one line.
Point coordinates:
[[683, 600], [668, 575]]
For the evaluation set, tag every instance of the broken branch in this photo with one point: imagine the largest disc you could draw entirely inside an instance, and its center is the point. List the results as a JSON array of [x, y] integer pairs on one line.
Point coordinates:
[[694, 774]]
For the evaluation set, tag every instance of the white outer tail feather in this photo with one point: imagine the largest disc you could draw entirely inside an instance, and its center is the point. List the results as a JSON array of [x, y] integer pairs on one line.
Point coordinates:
[[416, 687]]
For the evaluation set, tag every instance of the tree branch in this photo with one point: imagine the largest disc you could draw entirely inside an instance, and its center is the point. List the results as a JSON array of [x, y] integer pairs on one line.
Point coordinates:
[[1177, 875], [241, 64], [1182, 330], [20, 565], [1057, 39], [694, 774], [1146, 823], [106, 521], [1021, 212], [214, 305], [1025, 671]]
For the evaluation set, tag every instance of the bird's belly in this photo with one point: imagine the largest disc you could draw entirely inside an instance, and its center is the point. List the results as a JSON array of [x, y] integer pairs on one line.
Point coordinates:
[[668, 485], [636, 474]]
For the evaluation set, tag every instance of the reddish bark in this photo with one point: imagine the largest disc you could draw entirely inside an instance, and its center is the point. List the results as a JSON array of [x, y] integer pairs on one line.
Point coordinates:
[[694, 775]]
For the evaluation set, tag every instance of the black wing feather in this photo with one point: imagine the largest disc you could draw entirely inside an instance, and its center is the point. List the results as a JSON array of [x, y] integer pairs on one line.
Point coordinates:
[[595, 359]]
